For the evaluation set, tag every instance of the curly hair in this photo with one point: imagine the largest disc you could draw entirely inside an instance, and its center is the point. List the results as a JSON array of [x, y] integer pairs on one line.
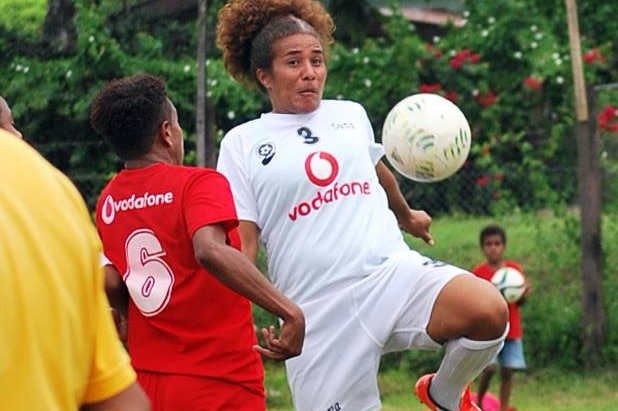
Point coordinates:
[[492, 229], [246, 30], [127, 112]]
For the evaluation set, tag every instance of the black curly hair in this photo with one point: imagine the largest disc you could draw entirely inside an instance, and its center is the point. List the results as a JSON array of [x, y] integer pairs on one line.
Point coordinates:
[[127, 112], [492, 229]]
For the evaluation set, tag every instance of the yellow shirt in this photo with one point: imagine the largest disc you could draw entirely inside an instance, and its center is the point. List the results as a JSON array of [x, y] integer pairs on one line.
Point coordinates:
[[58, 345]]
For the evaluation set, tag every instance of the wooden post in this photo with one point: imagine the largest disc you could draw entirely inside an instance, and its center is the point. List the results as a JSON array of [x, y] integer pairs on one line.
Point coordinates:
[[200, 112], [589, 187]]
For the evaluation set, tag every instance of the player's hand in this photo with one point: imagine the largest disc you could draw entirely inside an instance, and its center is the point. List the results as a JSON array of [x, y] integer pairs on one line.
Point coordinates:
[[417, 223], [289, 343]]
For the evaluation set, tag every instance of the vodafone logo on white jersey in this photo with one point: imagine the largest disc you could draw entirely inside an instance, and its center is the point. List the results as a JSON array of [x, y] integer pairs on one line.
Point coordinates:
[[110, 206], [322, 169]]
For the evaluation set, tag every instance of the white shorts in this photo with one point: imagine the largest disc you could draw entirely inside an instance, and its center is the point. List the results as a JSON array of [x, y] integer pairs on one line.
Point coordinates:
[[348, 331]]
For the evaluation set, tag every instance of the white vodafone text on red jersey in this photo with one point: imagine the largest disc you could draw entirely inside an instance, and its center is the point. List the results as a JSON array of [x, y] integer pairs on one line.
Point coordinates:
[[111, 206]]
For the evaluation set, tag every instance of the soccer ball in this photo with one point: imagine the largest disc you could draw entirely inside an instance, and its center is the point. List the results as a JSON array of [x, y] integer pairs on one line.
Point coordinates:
[[510, 282], [426, 137]]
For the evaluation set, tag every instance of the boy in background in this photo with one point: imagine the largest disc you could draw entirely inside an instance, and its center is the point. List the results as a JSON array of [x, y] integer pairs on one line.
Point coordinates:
[[511, 357]]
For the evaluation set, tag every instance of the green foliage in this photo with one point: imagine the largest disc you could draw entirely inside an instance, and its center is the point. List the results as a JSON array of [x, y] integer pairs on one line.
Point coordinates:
[[25, 16]]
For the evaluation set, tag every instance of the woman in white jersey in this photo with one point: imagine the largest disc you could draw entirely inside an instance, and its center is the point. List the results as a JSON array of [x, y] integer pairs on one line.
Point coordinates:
[[309, 183]]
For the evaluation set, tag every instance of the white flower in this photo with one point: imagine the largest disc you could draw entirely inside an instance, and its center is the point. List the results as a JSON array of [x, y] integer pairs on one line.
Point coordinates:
[[336, 57], [207, 62], [339, 96], [365, 60], [484, 33], [466, 14], [538, 36], [26, 69], [558, 62], [534, 44], [559, 80], [355, 50], [491, 20], [213, 82], [186, 68], [69, 73], [556, 56], [18, 67], [91, 39], [533, 27], [367, 83], [517, 55], [209, 94], [452, 53], [231, 115], [436, 39], [475, 92]]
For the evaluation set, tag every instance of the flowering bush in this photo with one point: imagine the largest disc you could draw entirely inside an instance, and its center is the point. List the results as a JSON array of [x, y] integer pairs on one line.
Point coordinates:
[[507, 68]]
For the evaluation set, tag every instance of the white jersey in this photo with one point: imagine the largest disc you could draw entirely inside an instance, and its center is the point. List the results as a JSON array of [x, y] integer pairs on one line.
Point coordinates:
[[309, 183]]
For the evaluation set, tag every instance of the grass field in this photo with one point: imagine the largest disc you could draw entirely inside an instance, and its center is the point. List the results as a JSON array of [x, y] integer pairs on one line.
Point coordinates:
[[540, 390], [548, 249]]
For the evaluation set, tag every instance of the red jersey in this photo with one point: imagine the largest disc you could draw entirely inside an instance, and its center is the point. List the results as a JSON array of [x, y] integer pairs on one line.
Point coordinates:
[[182, 320], [486, 272]]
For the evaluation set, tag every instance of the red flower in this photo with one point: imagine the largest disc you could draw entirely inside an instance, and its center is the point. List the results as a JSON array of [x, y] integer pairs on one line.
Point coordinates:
[[475, 58], [430, 88], [594, 56], [482, 181], [437, 53], [451, 95], [485, 150], [462, 56], [607, 119], [533, 83], [487, 99]]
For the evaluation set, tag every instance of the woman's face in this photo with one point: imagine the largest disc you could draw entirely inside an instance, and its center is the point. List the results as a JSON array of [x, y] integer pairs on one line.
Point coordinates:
[[295, 80]]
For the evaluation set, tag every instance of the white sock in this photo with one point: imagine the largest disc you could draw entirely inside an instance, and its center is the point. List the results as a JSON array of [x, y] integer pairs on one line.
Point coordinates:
[[463, 362]]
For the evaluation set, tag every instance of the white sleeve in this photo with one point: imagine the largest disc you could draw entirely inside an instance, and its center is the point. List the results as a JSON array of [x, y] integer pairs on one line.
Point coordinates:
[[376, 150], [232, 164]]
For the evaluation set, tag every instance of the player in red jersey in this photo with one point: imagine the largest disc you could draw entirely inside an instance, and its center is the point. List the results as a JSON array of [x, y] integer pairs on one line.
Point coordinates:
[[511, 357], [171, 231]]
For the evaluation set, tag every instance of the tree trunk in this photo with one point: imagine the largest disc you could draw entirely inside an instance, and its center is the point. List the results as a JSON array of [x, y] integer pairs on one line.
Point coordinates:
[[200, 115], [589, 182], [589, 187], [59, 33]]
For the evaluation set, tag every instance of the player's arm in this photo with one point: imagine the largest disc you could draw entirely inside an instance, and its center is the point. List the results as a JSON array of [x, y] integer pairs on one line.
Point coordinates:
[[234, 270], [132, 398], [116, 289], [249, 238], [415, 222]]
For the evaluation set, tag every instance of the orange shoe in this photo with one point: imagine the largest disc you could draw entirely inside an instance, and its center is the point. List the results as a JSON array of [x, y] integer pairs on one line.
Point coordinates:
[[422, 392]]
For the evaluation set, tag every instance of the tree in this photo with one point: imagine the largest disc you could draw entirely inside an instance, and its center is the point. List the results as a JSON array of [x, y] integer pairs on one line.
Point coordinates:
[[59, 33]]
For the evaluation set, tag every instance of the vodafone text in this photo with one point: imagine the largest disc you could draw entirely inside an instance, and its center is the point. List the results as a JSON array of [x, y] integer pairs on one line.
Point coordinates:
[[111, 206], [335, 193]]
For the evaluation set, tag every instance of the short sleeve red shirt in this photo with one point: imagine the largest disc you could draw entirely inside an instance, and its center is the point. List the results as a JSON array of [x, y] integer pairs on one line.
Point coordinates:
[[486, 272], [182, 320]]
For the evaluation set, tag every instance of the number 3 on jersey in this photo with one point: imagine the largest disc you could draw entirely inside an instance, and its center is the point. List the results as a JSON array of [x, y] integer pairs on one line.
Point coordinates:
[[148, 277]]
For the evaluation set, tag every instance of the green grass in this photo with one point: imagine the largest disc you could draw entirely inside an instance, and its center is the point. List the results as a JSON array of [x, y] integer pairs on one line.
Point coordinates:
[[548, 249], [540, 390]]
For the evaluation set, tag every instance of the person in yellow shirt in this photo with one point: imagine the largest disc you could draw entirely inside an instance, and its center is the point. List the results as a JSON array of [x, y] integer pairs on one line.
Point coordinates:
[[59, 350]]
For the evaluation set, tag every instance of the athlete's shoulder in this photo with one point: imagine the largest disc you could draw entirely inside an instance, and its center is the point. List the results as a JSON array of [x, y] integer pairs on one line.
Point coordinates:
[[350, 105]]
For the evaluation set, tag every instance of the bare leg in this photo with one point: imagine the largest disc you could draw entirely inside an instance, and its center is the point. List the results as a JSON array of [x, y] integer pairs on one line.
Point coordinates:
[[471, 317], [483, 385], [506, 385]]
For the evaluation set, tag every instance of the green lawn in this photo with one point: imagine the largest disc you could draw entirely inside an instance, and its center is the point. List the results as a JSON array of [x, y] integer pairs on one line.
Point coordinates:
[[540, 390], [548, 249]]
